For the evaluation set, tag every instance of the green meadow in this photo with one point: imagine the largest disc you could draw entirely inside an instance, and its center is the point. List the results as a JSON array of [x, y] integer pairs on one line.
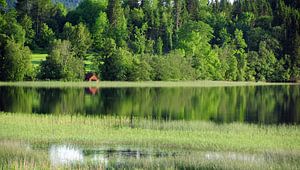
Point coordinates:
[[36, 59]]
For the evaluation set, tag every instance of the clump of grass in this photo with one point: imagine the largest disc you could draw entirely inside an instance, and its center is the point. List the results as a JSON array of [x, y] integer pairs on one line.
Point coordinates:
[[19, 155]]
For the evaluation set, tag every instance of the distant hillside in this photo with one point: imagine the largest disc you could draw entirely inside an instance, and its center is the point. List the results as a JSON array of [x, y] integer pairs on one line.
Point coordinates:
[[67, 3]]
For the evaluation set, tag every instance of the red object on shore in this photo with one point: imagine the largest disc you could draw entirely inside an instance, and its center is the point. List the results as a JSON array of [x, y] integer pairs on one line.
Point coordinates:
[[91, 77]]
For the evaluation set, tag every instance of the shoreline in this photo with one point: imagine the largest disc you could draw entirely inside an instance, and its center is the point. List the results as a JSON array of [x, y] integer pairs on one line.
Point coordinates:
[[120, 84]]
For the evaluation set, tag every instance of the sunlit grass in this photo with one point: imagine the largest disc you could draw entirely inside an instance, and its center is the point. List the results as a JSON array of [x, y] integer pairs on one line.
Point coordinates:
[[36, 59]]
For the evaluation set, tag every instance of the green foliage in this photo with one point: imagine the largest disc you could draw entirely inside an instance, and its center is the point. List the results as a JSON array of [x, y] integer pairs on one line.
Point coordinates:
[[139, 44], [99, 32], [118, 22], [194, 38], [117, 65], [217, 37], [80, 38], [46, 36], [26, 23], [2, 4], [14, 61], [61, 64], [87, 12], [264, 64], [10, 28], [141, 70], [172, 67]]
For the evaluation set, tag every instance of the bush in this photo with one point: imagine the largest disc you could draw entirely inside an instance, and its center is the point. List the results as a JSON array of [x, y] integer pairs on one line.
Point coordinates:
[[172, 67], [14, 61], [118, 65], [61, 63]]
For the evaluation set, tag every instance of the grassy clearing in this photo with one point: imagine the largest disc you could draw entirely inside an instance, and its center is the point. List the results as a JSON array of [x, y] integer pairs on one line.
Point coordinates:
[[274, 147], [104, 84], [88, 63], [36, 59]]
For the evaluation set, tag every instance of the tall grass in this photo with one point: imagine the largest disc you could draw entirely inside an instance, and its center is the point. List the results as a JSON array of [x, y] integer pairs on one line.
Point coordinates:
[[113, 131]]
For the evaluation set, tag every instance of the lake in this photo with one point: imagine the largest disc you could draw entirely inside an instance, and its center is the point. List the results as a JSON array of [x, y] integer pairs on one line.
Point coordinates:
[[252, 104]]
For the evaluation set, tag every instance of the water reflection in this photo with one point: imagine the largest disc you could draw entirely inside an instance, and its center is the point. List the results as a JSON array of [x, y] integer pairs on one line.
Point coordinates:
[[61, 155], [91, 90], [261, 104], [65, 155]]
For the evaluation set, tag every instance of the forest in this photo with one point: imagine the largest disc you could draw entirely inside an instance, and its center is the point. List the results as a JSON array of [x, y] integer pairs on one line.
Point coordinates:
[[143, 40]]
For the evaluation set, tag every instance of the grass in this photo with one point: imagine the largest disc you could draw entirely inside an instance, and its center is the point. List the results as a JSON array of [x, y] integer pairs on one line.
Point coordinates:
[[140, 84], [281, 143], [36, 59], [110, 131]]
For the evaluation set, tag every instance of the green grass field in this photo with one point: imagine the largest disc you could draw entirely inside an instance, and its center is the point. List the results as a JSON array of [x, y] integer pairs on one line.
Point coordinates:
[[278, 145], [36, 59]]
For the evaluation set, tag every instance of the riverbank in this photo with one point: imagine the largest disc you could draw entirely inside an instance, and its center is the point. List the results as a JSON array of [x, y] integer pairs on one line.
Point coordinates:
[[112, 84], [187, 137]]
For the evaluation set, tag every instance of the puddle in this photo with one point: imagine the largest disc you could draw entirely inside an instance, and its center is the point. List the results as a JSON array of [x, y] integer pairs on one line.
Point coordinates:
[[64, 155], [68, 154]]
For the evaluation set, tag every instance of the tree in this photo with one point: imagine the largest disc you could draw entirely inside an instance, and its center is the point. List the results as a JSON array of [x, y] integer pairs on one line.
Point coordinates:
[[57, 18], [118, 65], [23, 7], [118, 22], [39, 12], [80, 38], [232, 72], [9, 27], [87, 12], [99, 32], [2, 4], [194, 38], [26, 23], [193, 8], [263, 62], [141, 70], [14, 60], [46, 36], [239, 45], [61, 63], [140, 40]]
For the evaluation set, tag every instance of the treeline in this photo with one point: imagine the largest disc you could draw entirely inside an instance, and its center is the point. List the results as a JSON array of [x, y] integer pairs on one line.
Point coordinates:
[[135, 40]]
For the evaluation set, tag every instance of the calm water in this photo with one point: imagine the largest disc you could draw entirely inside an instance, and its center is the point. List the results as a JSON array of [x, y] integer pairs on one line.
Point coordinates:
[[68, 154], [260, 104]]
